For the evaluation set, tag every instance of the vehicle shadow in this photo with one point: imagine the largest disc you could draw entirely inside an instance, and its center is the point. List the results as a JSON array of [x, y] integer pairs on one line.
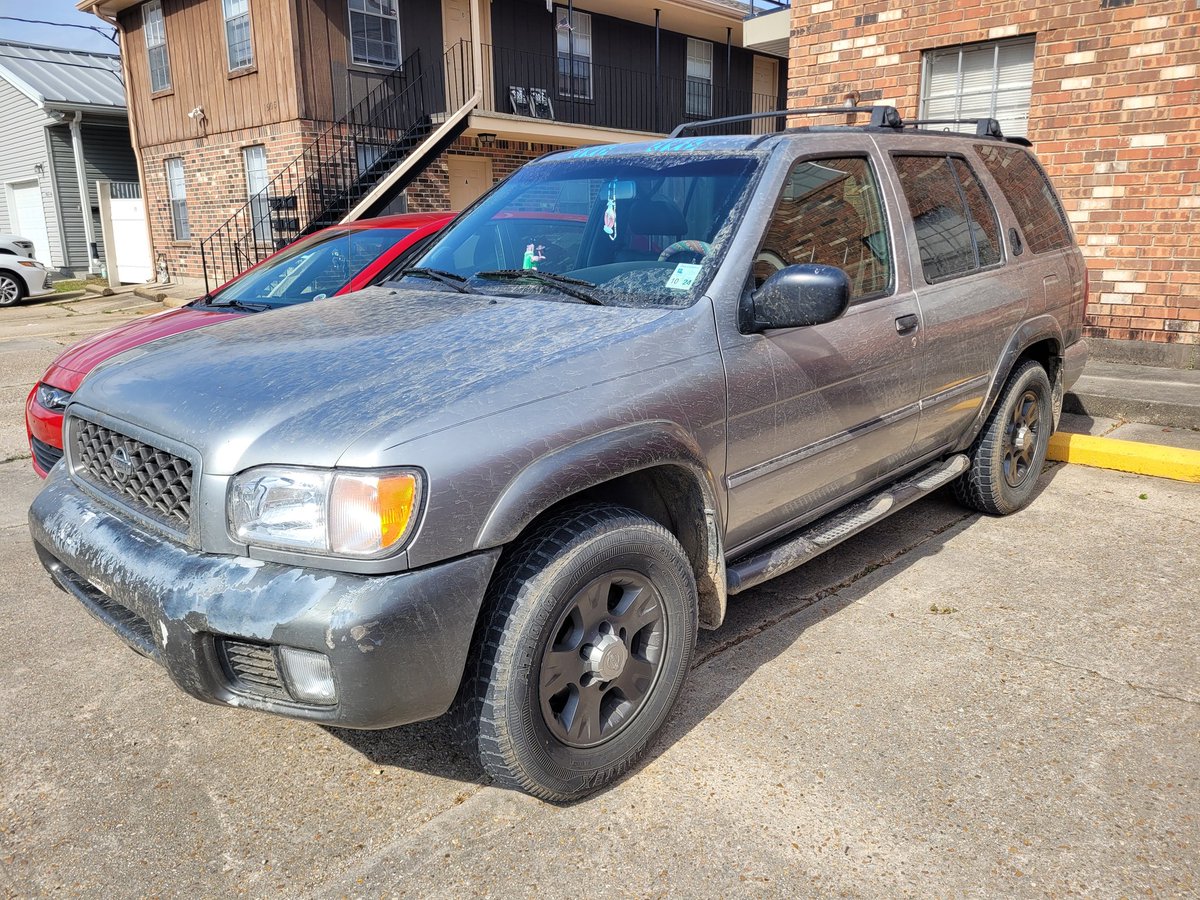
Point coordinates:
[[786, 606]]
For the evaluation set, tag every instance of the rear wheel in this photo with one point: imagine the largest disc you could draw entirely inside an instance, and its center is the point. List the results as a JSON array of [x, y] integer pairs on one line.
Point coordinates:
[[11, 289], [1010, 451], [583, 650]]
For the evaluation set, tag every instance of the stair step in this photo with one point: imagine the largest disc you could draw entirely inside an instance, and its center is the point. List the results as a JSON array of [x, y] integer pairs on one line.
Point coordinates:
[[813, 540]]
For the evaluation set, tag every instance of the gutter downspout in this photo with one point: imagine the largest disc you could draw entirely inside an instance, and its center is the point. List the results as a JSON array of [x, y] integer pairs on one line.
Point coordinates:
[[89, 233], [452, 121]]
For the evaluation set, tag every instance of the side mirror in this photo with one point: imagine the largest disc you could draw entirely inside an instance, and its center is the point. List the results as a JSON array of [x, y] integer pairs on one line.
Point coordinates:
[[797, 296]]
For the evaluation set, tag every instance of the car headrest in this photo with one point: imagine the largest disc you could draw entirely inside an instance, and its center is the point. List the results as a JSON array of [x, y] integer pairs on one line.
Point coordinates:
[[656, 217]]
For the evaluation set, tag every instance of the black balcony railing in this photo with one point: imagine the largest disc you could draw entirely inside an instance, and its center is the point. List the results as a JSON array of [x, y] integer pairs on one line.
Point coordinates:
[[342, 164], [546, 86]]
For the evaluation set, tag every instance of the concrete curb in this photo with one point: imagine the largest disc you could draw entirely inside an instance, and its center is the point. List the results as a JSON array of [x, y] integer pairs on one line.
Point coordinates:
[[1126, 456], [1148, 411]]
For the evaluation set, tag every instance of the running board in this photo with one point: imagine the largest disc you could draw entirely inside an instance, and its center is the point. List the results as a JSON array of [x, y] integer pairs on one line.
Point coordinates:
[[830, 531]]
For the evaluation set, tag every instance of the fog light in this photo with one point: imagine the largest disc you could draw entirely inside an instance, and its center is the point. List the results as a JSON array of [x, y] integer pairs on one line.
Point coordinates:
[[309, 675]]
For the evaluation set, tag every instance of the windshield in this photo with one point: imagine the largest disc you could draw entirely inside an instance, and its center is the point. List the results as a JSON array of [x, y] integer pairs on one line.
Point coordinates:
[[313, 268], [638, 230]]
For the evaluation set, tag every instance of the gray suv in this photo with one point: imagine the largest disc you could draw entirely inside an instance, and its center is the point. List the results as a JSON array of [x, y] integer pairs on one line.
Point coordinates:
[[628, 383]]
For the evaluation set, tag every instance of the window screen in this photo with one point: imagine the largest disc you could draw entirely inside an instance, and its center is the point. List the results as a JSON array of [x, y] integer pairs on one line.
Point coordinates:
[[156, 46], [954, 221], [1030, 195], [573, 40], [237, 34], [375, 32], [698, 101], [829, 214]]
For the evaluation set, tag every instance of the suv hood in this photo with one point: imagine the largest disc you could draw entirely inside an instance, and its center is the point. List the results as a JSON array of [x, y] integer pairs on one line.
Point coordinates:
[[300, 385]]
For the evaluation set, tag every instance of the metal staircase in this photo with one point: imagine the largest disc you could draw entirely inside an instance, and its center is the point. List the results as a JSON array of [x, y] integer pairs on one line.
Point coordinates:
[[396, 123]]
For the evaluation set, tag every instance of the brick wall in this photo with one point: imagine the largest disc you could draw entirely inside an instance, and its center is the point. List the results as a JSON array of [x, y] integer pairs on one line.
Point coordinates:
[[1115, 96], [215, 175]]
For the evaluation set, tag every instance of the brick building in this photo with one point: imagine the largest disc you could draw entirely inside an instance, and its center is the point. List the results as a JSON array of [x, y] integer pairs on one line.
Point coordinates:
[[1107, 90]]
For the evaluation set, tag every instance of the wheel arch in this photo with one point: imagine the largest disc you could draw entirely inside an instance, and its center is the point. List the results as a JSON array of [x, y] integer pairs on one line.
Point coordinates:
[[1040, 339], [654, 468]]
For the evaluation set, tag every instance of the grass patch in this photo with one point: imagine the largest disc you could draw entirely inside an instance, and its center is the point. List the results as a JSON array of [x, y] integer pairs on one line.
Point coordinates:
[[76, 284]]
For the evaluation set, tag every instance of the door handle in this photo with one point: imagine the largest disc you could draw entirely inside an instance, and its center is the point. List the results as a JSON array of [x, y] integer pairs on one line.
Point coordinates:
[[908, 323]]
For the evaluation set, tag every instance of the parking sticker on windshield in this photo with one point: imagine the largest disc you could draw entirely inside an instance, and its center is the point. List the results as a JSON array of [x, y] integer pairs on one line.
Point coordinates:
[[683, 277]]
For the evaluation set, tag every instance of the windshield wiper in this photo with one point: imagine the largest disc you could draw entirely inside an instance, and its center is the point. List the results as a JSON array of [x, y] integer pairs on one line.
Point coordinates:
[[238, 304], [447, 278], [569, 286]]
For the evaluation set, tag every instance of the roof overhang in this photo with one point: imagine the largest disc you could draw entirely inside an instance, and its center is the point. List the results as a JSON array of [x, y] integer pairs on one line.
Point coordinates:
[[106, 9], [769, 32], [708, 19]]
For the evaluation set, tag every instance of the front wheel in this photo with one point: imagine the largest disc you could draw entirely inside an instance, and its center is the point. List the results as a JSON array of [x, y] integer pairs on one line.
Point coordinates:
[[11, 289], [585, 644], [1010, 451]]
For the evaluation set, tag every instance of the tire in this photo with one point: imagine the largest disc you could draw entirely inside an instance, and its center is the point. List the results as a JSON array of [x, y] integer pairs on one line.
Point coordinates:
[[11, 289], [1009, 453], [585, 642]]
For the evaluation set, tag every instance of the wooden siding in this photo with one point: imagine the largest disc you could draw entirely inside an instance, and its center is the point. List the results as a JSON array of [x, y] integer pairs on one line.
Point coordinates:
[[107, 154], [329, 82], [23, 148], [265, 94]]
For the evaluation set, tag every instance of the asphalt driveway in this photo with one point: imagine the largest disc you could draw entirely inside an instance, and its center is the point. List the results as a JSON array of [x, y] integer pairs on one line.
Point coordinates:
[[948, 704]]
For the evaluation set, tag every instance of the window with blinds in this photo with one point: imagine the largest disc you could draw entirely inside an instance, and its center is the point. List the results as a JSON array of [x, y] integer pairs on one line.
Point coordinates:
[[992, 80]]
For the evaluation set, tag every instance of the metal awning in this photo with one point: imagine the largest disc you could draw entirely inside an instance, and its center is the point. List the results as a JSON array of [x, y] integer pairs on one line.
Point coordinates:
[[54, 78]]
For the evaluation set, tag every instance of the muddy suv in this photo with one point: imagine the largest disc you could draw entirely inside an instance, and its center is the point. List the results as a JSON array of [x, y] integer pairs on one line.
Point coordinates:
[[514, 482]]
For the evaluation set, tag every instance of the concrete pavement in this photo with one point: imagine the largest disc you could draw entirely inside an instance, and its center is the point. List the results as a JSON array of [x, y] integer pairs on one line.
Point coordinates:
[[946, 704]]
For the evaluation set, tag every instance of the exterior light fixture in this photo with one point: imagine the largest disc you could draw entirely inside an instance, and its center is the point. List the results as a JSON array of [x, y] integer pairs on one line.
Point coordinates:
[[487, 139]]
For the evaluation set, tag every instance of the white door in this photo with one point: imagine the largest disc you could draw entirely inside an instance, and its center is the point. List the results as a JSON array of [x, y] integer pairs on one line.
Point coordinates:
[[134, 265], [29, 217], [470, 178]]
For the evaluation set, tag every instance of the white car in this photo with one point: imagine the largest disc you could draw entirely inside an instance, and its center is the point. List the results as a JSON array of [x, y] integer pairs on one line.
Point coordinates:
[[21, 277], [15, 245]]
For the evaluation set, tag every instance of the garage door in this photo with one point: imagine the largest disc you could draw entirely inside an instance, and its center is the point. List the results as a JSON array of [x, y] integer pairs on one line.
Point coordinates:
[[29, 219]]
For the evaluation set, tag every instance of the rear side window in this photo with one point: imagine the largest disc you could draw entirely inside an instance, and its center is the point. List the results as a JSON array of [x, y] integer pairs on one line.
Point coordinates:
[[955, 223], [830, 214], [1030, 195]]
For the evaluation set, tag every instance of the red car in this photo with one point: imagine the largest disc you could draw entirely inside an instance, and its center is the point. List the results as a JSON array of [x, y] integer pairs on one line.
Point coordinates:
[[332, 261]]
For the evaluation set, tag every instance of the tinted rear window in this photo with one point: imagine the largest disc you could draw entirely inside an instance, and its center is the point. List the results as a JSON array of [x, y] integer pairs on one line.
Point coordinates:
[[1030, 195]]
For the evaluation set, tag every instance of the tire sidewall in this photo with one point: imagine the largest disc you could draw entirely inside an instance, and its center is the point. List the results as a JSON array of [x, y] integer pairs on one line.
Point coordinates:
[[6, 276], [632, 547], [1032, 376]]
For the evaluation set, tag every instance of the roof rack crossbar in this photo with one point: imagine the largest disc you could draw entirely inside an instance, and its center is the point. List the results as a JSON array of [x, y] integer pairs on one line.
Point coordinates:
[[881, 117], [983, 127]]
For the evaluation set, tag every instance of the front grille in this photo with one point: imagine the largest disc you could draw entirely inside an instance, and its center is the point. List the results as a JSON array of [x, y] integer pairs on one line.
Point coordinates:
[[45, 455], [252, 668], [151, 480]]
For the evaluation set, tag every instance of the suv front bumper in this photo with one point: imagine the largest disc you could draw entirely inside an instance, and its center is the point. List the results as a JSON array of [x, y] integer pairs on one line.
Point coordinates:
[[397, 644]]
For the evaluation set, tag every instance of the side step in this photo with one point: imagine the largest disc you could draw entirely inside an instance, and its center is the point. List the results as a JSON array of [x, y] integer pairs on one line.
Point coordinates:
[[830, 531]]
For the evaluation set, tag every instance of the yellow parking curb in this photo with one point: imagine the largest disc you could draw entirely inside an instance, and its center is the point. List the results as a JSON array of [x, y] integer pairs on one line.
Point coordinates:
[[1126, 456]]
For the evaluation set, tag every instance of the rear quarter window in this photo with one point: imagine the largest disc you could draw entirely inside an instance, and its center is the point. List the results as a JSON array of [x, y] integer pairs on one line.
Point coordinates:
[[1029, 193]]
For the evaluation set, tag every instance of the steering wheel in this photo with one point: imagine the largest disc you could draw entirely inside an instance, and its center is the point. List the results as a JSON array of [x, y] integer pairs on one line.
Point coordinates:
[[700, 248]]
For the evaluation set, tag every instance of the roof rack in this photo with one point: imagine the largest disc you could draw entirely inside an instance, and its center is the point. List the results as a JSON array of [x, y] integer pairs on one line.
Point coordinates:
[[881, 117], [983, 127]]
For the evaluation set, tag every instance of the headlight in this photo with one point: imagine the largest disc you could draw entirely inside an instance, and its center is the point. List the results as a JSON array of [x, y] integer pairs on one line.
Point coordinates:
[[54, 399], [29, 263], [350, 513]]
